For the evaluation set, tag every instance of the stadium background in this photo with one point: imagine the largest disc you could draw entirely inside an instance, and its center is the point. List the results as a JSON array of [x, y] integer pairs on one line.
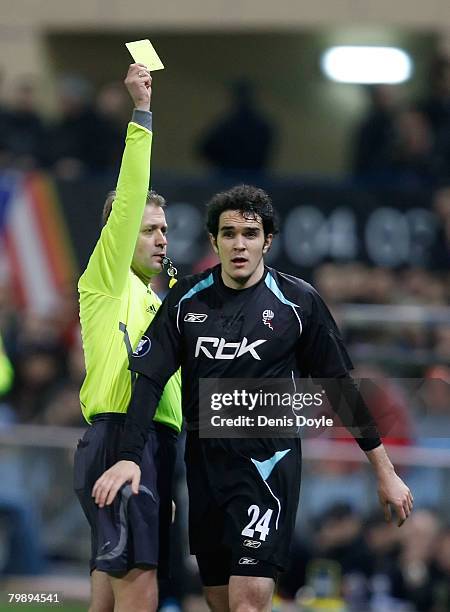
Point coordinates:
[[362, 182]]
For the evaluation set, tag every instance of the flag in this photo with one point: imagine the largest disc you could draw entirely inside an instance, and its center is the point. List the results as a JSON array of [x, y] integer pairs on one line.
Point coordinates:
[[37, 255]]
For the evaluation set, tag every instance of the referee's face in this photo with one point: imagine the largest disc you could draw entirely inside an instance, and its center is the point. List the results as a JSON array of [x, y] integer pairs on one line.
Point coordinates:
[[151, 244], [241, 245]]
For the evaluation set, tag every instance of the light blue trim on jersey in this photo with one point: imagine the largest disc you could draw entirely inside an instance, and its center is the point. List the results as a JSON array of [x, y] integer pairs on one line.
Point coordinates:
[[265, 468], [273, 287], [203, 284]]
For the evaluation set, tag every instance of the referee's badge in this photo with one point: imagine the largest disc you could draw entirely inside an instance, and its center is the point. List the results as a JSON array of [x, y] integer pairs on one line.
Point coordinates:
[[144, 346]]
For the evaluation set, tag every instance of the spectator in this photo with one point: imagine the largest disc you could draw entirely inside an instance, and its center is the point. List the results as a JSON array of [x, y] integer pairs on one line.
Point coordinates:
[[374, 135], [113, 108], [25, 133], [436, 105], [418, 543], [338, 536], [412, 161], [113, 104], [63, 405], [39, 364], [242, 140], [383, 541], [76, 144]]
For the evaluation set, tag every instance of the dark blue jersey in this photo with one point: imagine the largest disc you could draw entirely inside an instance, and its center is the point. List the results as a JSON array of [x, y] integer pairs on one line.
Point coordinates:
[[278, 328]]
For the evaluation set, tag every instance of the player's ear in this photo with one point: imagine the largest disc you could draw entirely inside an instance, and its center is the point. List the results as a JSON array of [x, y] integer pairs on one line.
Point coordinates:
[[267, 243], [213, 241]]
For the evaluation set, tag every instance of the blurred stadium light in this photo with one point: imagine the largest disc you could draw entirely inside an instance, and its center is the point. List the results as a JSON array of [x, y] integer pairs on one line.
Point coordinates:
[[367, 65]]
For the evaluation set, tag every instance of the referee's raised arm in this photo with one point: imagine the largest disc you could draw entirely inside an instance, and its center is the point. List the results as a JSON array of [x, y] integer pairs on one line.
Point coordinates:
[[109, 264]]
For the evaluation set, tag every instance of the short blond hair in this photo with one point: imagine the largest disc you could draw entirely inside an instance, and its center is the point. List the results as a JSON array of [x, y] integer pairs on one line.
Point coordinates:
[[152, 198]]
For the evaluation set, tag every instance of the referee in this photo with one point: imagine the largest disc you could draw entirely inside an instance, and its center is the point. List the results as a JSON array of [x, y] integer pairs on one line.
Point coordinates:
[[243, 492], [117, 304]]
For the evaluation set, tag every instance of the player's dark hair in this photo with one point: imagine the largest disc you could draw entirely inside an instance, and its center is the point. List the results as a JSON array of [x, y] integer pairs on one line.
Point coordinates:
[[250, 201], [152, 198]]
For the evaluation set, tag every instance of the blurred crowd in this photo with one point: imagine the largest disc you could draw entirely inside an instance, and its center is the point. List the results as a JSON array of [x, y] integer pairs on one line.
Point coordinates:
[[406, 143], [370, 564], [398, 142], [411, 343], [85, 138], [47, 359]]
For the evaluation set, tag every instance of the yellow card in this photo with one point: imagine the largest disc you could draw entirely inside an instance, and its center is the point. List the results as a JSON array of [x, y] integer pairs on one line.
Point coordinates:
[[143, 52]]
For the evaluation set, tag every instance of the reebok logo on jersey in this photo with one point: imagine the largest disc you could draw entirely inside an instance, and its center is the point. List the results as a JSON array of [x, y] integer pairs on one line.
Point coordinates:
[[194, 317], [252, 543], [226, 350], [143, 347], [247, 561]]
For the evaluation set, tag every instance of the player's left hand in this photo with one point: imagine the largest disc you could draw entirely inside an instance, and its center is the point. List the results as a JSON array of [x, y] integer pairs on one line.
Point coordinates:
[[109, 483], [392, 491]]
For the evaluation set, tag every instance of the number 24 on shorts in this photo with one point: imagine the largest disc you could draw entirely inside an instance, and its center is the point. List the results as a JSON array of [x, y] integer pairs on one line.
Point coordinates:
[[262, 525]]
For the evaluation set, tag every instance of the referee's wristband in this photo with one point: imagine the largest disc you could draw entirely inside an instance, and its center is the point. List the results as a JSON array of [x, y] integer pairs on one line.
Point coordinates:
[[143, 118]]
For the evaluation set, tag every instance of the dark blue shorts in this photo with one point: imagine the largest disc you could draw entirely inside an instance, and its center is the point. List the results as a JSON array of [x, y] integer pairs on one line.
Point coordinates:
[[243, 498], [134, 531]]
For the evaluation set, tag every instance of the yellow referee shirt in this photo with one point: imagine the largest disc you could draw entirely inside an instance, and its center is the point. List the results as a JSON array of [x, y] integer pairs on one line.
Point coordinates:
[[115, 305]]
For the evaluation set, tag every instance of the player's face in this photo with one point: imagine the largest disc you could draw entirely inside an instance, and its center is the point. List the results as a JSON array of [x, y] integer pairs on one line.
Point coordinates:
[[151, 243], [241, 245]]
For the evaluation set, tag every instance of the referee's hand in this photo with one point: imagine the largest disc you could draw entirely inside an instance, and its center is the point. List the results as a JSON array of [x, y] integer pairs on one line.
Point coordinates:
[[139, 84], [109, 483]]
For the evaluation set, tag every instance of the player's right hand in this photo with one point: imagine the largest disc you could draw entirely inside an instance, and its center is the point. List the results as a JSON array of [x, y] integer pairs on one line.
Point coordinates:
[[392, 491], [109, 483], [139, 84]]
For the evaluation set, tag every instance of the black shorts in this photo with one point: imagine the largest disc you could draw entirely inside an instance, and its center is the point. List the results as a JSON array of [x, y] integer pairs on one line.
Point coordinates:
[[243, 498], [134, 530]]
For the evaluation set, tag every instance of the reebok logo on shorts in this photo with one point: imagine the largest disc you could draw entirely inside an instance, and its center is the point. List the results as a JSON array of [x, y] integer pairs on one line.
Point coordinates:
[[252, 543], [104, 547], [247, 561]]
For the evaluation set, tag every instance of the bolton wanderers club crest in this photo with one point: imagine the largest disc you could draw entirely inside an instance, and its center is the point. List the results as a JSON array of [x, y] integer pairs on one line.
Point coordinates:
[[267, 317]]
